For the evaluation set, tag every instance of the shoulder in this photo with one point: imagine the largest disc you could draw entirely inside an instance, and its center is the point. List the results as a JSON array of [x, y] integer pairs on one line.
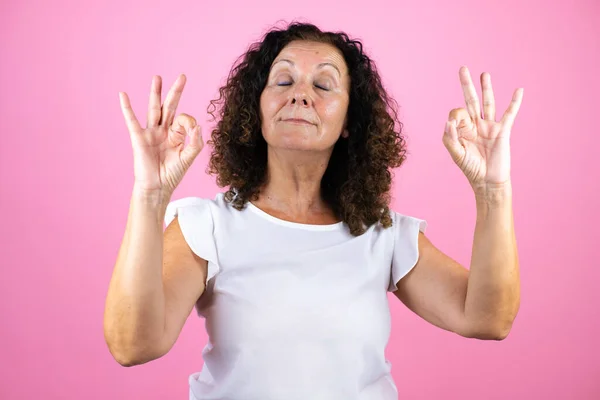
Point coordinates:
[[402, 223], [409, 234], [216, 202], [196, 207]]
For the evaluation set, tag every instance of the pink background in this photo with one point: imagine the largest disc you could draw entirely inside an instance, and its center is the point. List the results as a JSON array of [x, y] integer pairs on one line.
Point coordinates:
[[66, 175]]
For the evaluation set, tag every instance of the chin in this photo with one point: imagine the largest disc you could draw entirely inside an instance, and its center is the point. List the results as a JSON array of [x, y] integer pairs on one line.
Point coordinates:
[[298, 141]]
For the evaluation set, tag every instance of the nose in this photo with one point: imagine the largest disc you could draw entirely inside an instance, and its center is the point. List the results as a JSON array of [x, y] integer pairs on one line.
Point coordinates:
[[300, 97], [301, 100]]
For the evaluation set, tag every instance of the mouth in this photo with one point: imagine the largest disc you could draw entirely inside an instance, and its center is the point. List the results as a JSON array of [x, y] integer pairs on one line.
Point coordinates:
[[297, 121]]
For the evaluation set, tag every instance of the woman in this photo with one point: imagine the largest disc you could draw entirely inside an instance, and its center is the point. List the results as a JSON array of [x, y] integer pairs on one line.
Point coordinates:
[[291, 265]]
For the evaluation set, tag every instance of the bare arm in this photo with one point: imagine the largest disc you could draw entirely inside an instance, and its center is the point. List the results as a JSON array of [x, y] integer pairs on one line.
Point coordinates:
[[481, 302], [478, 303], [435, 288], [493, 295], [155, 283]]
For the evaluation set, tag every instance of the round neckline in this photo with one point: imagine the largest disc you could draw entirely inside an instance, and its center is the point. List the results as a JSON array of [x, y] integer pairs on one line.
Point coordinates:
[[312, 227]]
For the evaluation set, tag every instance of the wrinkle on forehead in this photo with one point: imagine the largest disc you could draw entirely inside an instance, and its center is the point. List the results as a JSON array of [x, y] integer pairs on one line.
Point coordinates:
[[325, 52]]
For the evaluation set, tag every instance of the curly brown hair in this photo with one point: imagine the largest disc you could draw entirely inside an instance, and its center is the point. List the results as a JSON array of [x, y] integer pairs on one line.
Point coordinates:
[[357, 180]]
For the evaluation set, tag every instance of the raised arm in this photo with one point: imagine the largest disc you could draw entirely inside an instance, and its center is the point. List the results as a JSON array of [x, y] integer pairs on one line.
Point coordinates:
[[481, 302], [157, 278]]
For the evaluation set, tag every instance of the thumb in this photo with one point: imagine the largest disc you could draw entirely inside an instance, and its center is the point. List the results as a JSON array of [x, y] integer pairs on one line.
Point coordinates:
[[195, 145], [451, 142]]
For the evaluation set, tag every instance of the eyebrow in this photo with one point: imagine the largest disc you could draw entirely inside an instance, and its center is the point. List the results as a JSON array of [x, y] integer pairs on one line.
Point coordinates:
[[321, 65]]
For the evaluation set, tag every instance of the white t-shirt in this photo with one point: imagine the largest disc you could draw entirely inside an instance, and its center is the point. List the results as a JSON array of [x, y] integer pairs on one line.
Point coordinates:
[[294, 311]]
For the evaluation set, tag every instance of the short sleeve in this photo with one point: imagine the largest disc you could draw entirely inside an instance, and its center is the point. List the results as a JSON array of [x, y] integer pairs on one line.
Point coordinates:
[[197, 224], [406, 246]]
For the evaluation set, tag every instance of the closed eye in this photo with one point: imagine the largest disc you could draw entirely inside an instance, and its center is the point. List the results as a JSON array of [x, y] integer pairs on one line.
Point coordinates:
[[289, 83]]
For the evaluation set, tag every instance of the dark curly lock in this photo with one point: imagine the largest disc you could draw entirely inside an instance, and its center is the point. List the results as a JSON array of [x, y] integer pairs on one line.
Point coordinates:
[[357, 181]]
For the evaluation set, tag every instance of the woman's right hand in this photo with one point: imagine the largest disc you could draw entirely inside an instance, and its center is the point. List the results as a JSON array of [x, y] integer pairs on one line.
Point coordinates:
[[160, 156]]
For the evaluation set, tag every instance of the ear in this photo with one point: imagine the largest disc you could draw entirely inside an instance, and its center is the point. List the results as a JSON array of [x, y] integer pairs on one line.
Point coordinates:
[[345, 132]]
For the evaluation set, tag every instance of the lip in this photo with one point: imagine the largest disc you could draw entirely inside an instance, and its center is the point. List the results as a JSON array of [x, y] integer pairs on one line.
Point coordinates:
[[298, 121]]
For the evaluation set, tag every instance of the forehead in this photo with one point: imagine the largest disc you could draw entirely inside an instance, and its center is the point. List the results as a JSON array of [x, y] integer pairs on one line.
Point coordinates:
[[308, 53]]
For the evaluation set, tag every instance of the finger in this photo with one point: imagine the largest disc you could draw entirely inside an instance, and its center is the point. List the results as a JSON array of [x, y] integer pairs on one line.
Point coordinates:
[[459, 114], [463, 120], [195, 145], [509, 116], [471, 99], [132, 123], [172, 101], [184, 123], [154, 102], [489, 104], [452, 142]]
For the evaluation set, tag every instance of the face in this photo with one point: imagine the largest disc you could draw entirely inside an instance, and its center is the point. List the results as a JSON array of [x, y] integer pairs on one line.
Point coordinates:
[[305, 101]]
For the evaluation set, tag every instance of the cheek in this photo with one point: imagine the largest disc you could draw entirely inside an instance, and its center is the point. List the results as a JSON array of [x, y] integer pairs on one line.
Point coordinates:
[[268, 106], [335, 110], [263, 106]]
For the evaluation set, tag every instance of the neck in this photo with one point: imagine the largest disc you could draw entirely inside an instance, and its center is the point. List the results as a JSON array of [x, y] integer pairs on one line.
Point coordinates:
[[293, 183]]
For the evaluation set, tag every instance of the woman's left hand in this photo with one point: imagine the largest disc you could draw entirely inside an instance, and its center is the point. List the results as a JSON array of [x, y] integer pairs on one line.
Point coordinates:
[[478, 144]]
